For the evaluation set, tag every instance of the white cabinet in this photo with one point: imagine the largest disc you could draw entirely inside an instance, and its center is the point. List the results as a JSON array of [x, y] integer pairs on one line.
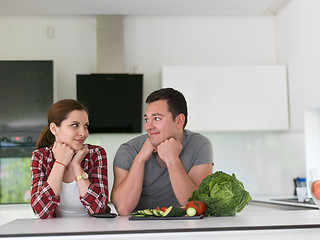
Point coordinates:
[[232, 98]]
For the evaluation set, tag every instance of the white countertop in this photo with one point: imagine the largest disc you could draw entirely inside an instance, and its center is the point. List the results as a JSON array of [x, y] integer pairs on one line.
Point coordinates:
[[249, 219], [121, 224], [256, 219], [10, 212]]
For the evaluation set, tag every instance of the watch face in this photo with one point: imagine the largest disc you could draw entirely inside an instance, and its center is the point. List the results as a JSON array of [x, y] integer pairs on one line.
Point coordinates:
[[84, 175]]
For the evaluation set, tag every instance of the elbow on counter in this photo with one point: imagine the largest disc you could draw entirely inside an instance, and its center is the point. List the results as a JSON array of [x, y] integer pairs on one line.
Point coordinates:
[[42, 215], [123, 211], [40, 211], [121, 207]]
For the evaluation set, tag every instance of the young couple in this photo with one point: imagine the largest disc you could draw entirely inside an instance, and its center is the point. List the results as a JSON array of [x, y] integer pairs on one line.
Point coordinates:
[[160, 168]]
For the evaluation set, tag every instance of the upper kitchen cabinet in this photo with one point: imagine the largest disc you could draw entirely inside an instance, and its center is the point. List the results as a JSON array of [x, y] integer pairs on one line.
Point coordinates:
[[232, 98]]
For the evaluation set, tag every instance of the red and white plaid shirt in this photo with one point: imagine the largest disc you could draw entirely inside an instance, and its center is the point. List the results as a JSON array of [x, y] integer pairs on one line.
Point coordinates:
[[43, 199]]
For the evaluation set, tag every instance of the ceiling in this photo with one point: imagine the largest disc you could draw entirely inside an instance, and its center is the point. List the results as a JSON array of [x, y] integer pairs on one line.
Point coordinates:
[[140, 7]]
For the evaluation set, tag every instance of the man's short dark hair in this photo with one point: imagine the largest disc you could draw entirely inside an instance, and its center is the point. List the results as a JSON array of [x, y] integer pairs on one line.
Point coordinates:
[[176, 101]]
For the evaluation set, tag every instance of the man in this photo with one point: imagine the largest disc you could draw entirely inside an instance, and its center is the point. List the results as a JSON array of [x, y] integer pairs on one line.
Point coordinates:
[[163, 167]]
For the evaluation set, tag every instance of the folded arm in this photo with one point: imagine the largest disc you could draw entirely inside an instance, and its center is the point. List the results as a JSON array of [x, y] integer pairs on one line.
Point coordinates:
[[127, 185]]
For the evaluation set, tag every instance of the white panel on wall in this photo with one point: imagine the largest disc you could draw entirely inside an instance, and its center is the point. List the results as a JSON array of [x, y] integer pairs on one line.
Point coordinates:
[[232, 98]]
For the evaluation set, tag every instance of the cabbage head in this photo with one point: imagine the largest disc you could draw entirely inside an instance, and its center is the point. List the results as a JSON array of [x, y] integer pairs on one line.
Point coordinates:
[[223, 194]]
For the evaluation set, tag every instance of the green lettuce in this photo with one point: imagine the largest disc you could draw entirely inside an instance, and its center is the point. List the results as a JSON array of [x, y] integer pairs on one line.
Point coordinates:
[[223, 194]]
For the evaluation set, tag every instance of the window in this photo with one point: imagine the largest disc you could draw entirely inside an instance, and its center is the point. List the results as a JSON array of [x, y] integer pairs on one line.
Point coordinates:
[[15, 176]]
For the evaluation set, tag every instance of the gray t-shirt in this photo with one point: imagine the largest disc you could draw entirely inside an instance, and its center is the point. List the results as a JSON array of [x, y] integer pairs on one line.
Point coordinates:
[[157, 190]]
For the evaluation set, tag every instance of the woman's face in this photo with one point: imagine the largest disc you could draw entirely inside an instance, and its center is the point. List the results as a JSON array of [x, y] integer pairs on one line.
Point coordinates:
[[73, 131]]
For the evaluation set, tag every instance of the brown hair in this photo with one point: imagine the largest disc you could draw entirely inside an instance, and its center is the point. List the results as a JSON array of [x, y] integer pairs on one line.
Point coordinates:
[[176, 101], [57, 113]]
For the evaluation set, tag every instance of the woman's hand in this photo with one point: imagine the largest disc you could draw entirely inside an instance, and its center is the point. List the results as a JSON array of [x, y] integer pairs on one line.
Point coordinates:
[[79, 156], [62, 152]]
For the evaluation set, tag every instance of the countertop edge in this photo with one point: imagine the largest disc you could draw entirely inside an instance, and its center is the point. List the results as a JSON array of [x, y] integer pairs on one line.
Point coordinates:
[[178, 230]]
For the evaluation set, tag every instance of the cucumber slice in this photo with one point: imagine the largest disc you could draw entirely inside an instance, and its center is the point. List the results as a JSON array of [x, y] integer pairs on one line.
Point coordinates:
[[134, 213], [148, 212], [191, 211], [160, 212], [138, 215], [155, 213], [141, 212]]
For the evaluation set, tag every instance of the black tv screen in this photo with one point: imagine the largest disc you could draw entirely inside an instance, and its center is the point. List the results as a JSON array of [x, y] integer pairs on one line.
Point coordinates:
[[114, 101], [26, 94]]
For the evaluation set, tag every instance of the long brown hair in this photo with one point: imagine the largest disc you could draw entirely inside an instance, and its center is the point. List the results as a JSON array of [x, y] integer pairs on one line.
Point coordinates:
[[58, 112]]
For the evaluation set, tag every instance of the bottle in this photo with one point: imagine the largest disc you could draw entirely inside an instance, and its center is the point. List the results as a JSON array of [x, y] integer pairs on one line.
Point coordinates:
[[299, 182]]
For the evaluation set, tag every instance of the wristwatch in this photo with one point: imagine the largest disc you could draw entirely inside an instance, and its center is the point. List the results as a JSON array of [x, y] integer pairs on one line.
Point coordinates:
[[83, 175]]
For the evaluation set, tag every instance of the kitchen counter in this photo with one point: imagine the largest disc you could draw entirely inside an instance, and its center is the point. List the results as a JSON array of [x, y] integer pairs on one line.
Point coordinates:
[[284, 201], [254, 221]]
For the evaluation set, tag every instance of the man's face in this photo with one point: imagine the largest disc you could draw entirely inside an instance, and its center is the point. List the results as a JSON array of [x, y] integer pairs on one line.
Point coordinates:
[[159, 123]]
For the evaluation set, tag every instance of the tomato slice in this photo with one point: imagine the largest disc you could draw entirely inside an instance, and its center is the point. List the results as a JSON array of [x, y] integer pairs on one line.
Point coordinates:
[[164, 209]]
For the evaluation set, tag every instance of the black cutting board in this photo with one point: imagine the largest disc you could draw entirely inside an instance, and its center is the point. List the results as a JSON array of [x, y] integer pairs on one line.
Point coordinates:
[[133, 218]]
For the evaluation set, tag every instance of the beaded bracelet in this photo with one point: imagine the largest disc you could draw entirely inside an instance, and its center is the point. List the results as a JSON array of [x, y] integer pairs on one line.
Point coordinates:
[[61, 163]]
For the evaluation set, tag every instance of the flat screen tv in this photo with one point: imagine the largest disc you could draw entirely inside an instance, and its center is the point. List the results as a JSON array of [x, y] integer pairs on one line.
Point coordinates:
[[114, 101], [26, 94]]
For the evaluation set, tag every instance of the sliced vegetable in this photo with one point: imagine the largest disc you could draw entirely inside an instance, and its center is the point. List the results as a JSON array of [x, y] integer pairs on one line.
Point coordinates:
[[169, 212], [141, 212], [148, 212], [199, 206], [138, 215], [174, 212], [157, 213], [161, 212], [191, 211], [134, 213], [163, 209]]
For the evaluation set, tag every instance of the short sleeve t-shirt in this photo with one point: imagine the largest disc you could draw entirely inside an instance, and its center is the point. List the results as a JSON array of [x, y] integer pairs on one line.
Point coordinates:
[[157, 190]]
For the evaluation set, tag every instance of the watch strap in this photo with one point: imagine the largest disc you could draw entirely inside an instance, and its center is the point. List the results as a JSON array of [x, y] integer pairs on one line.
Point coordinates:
[[78, 177], [83, 175]]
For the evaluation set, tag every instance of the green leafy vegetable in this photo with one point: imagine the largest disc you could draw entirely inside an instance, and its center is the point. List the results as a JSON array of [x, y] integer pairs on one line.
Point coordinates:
[[223, 194]]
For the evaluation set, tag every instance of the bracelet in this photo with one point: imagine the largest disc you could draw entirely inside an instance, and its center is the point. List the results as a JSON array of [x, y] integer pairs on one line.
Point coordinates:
[[61, 163]]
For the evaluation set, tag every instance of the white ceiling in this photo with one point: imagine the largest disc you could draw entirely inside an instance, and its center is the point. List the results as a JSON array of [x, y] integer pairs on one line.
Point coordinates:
[[140, 7]]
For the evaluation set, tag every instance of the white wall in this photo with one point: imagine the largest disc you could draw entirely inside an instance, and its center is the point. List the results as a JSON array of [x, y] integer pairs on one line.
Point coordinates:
[[73, 49], [265, 161], [298, 43], [151, 42], [298, 47]]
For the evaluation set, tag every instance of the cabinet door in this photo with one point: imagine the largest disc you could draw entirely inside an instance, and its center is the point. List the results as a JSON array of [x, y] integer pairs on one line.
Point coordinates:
[[232, 98]]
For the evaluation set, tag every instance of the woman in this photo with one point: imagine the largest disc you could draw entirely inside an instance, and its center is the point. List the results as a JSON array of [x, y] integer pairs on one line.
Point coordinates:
[[68, 177]]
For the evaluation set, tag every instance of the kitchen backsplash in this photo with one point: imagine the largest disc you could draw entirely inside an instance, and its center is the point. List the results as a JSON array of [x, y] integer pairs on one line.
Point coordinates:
[[266, 162]]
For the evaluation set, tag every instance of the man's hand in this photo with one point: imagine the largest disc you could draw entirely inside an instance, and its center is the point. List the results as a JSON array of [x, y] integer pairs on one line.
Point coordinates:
[[146, 151], [169, 150]]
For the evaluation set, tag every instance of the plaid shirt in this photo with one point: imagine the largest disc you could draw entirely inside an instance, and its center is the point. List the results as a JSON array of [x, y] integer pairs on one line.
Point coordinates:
[[43, 199]]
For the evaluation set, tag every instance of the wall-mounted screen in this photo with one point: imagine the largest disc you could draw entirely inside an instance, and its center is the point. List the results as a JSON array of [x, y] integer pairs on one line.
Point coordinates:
[[114, 101], [26, 94]]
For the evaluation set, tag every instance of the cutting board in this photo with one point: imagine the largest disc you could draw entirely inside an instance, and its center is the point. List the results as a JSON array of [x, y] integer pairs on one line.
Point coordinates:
[[133, 218]]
